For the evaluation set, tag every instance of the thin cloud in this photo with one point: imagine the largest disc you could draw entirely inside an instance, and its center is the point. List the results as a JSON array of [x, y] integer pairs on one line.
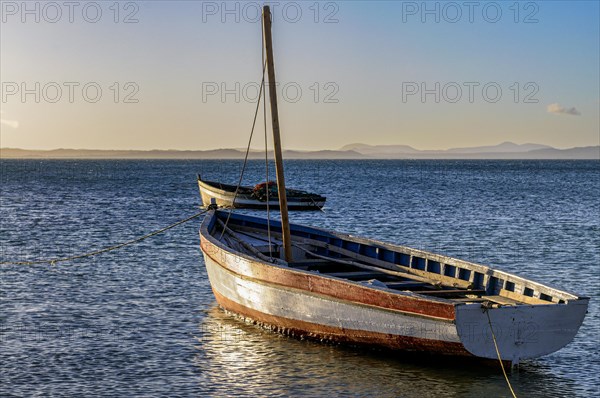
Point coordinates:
[[10, 123], [560, 110]]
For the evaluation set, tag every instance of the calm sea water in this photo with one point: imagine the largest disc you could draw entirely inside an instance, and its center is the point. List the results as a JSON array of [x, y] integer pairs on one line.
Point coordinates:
[[142, 321]]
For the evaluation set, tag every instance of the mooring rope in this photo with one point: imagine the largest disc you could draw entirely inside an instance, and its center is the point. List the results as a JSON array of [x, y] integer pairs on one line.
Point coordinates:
[[107, 249], [487, 312]]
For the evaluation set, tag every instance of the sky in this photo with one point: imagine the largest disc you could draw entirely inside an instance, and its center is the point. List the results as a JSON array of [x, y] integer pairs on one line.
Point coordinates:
[[184, 74]]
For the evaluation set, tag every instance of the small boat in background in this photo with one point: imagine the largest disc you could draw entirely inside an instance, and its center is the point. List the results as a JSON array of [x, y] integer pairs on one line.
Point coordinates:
[[256, 197]]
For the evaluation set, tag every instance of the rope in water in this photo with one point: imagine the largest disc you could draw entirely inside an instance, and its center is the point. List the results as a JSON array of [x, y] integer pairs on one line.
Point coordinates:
[[486, 310], [107, 249]]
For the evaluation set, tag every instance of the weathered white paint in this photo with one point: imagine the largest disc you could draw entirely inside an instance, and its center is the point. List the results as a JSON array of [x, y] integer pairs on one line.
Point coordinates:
[[522, 332], [299, 305]]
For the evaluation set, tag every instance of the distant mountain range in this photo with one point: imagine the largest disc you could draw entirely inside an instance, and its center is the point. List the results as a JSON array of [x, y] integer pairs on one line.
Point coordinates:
[[505, 147], [505, 150]]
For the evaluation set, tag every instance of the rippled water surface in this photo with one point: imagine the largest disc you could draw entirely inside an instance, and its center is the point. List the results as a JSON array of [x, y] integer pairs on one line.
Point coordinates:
[[142, 321]]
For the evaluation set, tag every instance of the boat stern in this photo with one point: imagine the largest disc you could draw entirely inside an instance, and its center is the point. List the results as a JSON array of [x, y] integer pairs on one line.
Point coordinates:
[[520, 331]]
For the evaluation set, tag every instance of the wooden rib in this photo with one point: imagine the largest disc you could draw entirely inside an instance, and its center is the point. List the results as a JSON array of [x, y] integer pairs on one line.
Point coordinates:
[[246, 245], [404, 285], [449, 292], [354, 274], [501, 300], [507, 294], [424, 275], [469, 300], [369, 267]]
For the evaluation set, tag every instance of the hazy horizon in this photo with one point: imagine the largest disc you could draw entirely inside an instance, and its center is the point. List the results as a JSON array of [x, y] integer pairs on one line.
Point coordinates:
[[507, 151], [184, 75], [254, 148]]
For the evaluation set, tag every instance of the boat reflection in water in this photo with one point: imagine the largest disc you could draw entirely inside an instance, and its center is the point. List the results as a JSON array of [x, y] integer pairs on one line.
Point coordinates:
[[237, 358]]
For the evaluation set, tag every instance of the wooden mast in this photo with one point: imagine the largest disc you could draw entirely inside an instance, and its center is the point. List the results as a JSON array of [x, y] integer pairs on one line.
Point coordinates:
[[285, 222]]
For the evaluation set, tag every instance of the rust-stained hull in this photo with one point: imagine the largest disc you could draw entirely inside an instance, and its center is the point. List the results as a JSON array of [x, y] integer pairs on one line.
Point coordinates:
[[313, 331], [339, 311]]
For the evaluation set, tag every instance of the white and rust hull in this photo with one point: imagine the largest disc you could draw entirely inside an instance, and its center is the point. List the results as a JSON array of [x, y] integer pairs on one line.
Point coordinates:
[[306, 304], [286, 303]]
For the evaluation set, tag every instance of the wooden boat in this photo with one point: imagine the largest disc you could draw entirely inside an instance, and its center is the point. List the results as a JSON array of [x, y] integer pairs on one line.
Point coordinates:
[[345, 289], [224, 195], [324, 285]]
